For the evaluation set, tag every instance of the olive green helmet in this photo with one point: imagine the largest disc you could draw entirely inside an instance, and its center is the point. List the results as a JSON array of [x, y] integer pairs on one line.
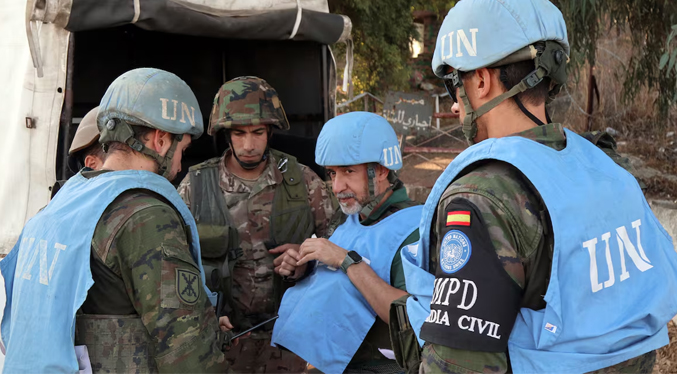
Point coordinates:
[[246, 101], [86, 134]]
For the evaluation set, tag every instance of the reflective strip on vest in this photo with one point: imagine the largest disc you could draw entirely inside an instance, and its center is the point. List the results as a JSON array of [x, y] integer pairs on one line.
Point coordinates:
[[324, 318], [47, 273], [613, 283]]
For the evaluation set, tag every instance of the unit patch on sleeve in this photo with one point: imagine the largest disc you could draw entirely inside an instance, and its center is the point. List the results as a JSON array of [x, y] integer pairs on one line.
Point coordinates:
[[455, 251], [458, 218], [187, 286]]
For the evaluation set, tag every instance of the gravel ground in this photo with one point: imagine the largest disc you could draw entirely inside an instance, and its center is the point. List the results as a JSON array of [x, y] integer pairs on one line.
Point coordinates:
[[666, 361]]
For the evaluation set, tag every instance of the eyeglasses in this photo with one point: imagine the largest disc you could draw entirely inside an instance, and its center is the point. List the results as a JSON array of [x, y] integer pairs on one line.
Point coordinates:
[[451, 82]]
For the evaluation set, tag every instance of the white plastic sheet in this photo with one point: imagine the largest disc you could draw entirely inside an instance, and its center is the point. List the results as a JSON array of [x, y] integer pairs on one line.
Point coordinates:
[[237, 8], [27, 155]]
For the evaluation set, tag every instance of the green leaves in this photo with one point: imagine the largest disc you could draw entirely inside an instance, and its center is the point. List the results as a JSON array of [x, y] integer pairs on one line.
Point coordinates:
[[673, 57], [668, 56], [382, 30], [664, 60]]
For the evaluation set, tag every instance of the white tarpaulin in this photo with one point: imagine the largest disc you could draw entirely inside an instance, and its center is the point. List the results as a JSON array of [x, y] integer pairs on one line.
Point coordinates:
[[27, 155], [236, 8]]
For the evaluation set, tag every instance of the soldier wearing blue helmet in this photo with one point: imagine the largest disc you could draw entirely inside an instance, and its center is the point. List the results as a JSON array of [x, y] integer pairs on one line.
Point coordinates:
[[119, 270], [345, 313], [517, 268]]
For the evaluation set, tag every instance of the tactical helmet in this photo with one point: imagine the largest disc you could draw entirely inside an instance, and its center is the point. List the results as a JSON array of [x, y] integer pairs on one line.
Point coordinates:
[[361, 138], [86, 134], [246, 101], [152, 98], [358, 138], [493, 33]]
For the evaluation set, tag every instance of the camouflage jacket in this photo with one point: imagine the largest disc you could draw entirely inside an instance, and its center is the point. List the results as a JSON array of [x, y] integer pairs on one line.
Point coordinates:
[[514, 216], [138, 245], [250, 205]]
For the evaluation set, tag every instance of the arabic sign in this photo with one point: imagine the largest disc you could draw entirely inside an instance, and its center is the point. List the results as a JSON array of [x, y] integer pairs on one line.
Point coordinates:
[[409, 113]]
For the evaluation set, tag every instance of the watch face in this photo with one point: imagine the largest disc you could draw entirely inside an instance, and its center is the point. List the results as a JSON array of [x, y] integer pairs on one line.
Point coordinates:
[[355, 256]]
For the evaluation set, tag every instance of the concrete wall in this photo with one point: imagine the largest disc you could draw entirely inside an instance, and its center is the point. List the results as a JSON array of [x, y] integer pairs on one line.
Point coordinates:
[[666, 212]]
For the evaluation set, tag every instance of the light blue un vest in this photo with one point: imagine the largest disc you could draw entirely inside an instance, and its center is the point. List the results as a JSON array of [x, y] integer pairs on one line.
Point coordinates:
[[613, 283], [324, 318], [47, 273]]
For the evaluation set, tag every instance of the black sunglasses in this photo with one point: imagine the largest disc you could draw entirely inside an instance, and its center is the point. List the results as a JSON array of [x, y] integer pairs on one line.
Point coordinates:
[[451, 82]]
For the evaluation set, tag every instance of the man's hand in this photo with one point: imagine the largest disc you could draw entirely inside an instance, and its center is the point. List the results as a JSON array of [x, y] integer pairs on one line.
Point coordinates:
[[321, 250], [286, 264], [284, 248], [225, 326]]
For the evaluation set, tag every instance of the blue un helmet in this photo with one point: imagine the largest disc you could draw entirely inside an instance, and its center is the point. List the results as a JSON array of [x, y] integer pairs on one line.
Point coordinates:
[[152, 98], [493, 33], [361, 138]]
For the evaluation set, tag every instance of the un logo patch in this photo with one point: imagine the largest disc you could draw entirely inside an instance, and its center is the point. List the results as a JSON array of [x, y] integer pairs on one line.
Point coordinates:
[[455, 251], [187, 286]]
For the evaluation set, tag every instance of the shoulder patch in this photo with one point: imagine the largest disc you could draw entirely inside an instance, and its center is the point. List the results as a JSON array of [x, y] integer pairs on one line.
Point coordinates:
[[187, 286], [455, 251], [458, 218]]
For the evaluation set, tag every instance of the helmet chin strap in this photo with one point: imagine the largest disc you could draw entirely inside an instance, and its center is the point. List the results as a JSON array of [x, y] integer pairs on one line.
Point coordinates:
[[374, 200], [550, 61], [471, 115], [121, 131], [249, 165]]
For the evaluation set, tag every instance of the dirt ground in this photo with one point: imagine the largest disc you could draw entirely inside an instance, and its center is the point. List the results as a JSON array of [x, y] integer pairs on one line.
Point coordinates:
[[654, 155], [666, 360], [422, 169]]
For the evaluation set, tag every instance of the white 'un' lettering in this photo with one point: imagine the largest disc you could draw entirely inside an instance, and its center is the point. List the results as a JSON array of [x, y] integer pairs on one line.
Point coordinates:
[[625, 245], [470, 45], [28, 255]]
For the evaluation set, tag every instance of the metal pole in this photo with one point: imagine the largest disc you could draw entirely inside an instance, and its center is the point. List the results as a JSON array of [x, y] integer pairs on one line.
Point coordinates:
[[591, 101], [437, 109], [325, 84], [67, 111]]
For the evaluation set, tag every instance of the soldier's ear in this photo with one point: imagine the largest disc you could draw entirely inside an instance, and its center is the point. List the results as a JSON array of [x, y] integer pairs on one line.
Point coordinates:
[[161, 141], [93, 162], [381, 173]]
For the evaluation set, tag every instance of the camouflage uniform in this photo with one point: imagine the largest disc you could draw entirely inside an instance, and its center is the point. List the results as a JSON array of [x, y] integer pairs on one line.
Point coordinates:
[[138, 245], [514, 216], [250, 205]]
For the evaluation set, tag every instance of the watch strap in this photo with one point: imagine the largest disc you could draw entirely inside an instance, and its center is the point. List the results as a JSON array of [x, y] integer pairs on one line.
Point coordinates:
[[348, 260]]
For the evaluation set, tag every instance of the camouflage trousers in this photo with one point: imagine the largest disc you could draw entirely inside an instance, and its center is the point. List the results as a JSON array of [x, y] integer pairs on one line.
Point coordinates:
[[255, 355], [438, 359]]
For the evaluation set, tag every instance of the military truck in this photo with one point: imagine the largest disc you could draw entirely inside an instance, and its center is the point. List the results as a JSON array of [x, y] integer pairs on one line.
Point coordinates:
[[59, 56]]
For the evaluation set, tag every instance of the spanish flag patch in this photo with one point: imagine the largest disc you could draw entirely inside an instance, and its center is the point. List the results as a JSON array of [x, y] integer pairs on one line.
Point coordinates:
[[458, 218]]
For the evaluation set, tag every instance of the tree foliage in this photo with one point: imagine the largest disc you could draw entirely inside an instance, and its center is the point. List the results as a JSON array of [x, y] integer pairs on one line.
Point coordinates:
[[649, 24], [669, 58], [382, 30]]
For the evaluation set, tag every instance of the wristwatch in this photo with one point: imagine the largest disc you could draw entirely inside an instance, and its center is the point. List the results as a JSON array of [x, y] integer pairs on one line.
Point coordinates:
[[351, 258]]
